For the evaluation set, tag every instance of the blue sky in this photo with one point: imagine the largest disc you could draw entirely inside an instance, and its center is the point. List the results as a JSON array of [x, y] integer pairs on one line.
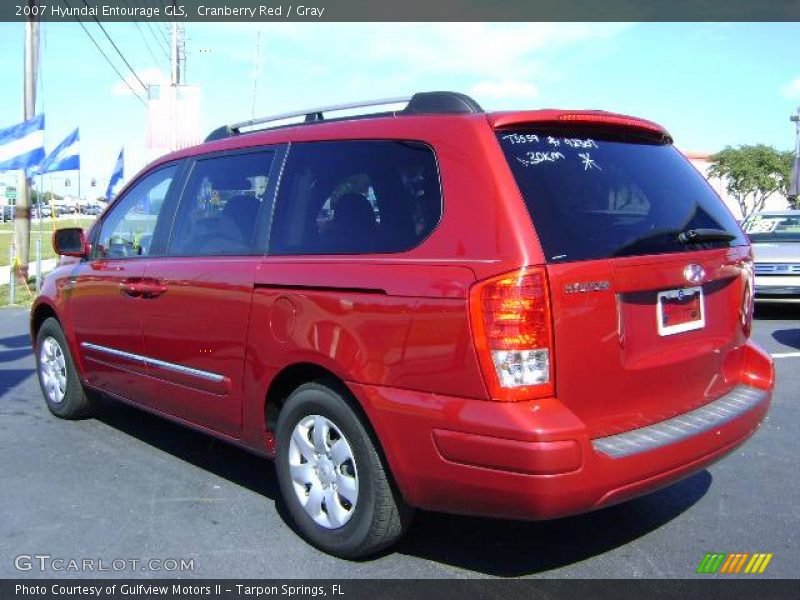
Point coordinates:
[[711, 85]]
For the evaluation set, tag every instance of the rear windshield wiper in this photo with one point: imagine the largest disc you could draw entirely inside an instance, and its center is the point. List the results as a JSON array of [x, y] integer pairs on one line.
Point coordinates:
[[695, 236], [662, 239]]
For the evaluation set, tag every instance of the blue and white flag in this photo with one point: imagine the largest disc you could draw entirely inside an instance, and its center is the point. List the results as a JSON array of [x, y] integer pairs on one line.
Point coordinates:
[[66, 157], [22, 145], [118, 174]]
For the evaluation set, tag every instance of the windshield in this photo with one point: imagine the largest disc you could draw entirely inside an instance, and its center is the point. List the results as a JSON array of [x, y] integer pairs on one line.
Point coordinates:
[[601, 195], [773, 227]]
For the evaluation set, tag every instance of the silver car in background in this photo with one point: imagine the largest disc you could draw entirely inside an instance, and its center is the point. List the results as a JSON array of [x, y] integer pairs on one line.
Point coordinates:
[[775, 236]]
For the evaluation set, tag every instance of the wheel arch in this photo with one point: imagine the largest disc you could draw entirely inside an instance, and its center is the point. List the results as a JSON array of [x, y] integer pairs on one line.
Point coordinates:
[[43, 310], [293, 376], [39, 314]]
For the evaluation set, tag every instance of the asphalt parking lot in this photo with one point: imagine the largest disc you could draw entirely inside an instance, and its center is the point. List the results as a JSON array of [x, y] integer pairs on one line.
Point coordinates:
[[128, 485]]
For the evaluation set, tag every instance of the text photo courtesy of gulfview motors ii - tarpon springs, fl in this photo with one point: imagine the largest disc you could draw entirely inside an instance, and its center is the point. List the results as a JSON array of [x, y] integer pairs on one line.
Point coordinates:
[[315, 294]]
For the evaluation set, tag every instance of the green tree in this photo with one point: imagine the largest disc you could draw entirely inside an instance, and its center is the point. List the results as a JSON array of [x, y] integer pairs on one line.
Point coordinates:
[[44, 198], [752, 173]]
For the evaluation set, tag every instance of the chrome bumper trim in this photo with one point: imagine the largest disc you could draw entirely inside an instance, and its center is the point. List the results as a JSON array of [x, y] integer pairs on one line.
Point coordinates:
[[733, 404]]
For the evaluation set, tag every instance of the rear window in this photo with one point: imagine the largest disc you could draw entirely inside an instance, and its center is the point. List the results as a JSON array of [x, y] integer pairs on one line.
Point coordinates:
[[356, 197], [602, 195]]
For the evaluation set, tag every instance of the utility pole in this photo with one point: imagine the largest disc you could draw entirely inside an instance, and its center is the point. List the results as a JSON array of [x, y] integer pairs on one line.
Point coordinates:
[[177, 57], [22, 214], [176, 51]]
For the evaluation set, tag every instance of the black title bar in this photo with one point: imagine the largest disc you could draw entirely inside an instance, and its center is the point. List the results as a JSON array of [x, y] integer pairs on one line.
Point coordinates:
[[406, 10], [702, 587]]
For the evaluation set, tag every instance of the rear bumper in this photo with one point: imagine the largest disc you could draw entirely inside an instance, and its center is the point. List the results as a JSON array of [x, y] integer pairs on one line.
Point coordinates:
[[777, 288], [534, 460]]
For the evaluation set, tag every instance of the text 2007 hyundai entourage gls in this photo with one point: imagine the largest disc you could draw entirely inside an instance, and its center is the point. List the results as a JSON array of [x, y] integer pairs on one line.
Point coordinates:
[[519, 314]]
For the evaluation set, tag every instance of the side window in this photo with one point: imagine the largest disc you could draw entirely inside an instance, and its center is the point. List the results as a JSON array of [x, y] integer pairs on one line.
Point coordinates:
[[127, 231], [221, 205], [356, 197]]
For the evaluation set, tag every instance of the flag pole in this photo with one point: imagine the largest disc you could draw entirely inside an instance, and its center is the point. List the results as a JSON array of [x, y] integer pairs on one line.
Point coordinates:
[[22, 221]]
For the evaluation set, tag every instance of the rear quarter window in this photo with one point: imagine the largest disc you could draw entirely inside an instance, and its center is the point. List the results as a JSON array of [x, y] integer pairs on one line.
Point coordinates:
[[594, 195], [356, 197]]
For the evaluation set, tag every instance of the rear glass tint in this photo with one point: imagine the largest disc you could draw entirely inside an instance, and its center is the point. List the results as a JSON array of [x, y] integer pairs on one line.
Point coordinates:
[[600, 195]]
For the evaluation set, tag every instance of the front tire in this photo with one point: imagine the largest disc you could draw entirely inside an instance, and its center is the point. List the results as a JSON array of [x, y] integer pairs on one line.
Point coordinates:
[[58, 379], [332, 478]]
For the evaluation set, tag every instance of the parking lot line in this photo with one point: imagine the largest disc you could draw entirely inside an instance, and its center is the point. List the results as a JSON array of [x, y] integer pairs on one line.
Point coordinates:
[[786, 355]]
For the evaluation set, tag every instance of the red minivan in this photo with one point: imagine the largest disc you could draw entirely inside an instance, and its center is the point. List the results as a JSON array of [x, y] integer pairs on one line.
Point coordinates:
[[519, 314]]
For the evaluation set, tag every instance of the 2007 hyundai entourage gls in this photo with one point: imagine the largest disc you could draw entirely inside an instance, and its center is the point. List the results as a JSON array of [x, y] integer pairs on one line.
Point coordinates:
[[518, 314]]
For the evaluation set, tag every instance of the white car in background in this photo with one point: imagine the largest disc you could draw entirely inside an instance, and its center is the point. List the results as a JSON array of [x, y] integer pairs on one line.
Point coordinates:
[[775, 236]]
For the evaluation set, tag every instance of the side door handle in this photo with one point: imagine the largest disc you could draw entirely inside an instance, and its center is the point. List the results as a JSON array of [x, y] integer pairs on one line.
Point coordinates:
[[143, 288], [131, 287], [152, 288]]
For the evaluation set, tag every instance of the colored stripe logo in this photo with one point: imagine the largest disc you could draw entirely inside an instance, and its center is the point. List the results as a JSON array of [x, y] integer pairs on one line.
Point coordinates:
[[734, 563]]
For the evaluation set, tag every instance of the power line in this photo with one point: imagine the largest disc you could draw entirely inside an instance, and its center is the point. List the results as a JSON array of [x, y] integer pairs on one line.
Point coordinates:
[[108, 60], [154, 27], [103, 29], [161, 43], [130, 4], [144, 39]]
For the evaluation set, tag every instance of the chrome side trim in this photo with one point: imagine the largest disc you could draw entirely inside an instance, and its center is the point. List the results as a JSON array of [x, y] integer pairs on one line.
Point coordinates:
[[733, 404], [154, 362]]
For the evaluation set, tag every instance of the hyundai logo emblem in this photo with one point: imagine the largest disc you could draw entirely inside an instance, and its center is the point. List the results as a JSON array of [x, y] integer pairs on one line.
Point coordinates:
[[694, 273]]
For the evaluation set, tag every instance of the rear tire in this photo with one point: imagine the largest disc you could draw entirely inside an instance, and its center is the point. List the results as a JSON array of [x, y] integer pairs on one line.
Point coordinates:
[[334, 483], [58, 379]]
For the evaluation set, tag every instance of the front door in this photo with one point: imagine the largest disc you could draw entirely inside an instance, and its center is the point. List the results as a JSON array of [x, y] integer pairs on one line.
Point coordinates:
[[105, 298], [196, 316]]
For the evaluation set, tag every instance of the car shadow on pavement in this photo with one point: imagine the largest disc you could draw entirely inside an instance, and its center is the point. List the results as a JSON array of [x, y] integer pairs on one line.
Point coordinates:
[[787, 337], [16, 341], [489, 546], [199, 449], [10, 378], [13, 355], [12, 349], [512, 548]]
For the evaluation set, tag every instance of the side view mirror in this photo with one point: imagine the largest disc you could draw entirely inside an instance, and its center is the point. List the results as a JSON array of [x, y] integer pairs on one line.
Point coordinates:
[[70, 241]]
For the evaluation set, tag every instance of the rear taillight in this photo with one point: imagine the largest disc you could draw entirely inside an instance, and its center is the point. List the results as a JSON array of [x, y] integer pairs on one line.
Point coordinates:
[[748, 297], [512, 328]]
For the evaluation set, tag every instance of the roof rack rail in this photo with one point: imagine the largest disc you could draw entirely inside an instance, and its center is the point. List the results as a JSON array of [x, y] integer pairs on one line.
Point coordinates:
[[421, 103]]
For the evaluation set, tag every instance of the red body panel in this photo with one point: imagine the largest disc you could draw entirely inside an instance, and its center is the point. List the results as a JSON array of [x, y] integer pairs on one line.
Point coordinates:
[[396, 330], [201, 322], [544, 484], [92, 289], [613, 368]]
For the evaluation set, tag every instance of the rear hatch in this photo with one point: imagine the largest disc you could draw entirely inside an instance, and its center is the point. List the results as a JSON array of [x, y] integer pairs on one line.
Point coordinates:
[[649, 273]]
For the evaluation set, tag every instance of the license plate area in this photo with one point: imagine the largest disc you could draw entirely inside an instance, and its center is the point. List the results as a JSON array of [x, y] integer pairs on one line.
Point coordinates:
[[680, 310]]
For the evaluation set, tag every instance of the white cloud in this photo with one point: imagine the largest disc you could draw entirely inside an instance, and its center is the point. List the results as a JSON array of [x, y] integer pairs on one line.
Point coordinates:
[[151, 76], [499, 60], [792, 89]]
